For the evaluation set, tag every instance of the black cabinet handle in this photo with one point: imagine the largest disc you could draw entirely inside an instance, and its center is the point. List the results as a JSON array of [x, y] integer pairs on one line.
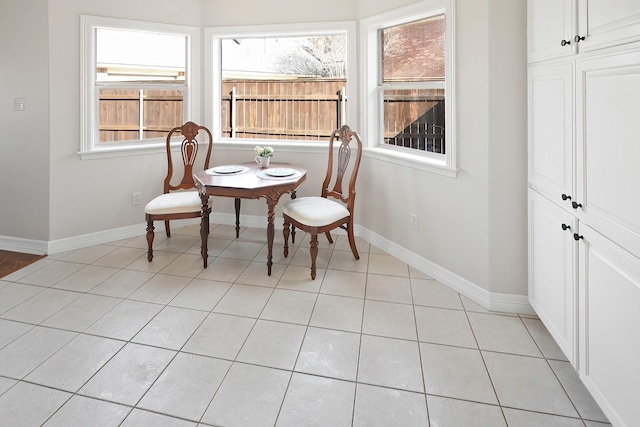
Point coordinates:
[[577, 237], [565, 42], [577, 39], [566, 227], [566, 197], [576, 205]]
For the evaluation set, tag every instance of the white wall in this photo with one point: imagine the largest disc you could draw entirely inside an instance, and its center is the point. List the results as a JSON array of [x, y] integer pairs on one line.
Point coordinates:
[[507, 147], [452, 212], [218, 13], [472, 226], [24, 146], [93, 195], [368, 8]]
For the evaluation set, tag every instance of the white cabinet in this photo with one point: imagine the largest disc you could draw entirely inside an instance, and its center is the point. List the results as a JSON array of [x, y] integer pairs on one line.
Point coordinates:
[[605, 23], [551, 136], [560, 28], [552, 276], [584, 172], [608, 146], [609, 322], [550, 22]]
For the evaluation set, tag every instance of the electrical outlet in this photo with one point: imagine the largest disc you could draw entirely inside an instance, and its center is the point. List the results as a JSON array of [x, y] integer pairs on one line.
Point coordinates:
[[136, 198], [413, 221]]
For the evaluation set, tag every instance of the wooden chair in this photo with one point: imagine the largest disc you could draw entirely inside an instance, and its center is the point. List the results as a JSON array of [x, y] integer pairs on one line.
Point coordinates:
[[335, 207], [176, 202]]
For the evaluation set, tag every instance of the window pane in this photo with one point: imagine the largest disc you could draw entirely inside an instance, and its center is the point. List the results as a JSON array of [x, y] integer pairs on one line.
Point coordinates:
[[132, 59], [132, 114], [414, 51], [415, 119], [138, 56], [290, 88]]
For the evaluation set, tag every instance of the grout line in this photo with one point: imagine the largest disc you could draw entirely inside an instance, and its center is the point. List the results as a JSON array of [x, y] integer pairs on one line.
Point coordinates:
[[357, 381], [415, 322], [484, 362]]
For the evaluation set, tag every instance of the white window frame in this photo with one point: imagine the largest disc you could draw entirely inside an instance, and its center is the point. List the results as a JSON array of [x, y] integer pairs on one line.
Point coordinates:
[[90, 146], [213, 74], [372, 88]]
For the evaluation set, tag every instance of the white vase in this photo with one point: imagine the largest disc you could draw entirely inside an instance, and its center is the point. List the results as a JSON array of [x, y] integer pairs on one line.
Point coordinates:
[[263, 161]]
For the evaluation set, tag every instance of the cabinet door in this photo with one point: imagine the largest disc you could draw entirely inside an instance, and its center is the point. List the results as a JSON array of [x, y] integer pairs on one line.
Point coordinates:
[[605, 23], [551, 142], [552, 270], [608, 147], [549, 22], [609, 321]]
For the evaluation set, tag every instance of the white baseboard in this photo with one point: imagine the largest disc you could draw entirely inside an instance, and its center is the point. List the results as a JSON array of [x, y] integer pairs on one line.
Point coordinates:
[[106, 236], [494, 301], [26, 246], [97, 238], [510, 303]]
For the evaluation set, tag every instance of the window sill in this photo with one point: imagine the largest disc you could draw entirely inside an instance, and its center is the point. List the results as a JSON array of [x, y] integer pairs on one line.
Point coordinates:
[[122, 151], [278, 145], [415, 161], [224, 144]]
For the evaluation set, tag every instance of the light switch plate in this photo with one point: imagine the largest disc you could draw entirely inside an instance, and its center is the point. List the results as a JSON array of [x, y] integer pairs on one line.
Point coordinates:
[[18, 104]]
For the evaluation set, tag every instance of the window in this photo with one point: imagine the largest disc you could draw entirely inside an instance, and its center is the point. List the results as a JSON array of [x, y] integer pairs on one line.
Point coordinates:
[[139, 81], [409, 99], [285, 82]]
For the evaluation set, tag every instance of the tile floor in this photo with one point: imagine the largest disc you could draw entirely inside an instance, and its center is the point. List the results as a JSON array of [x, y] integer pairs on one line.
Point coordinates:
[[101, 337]]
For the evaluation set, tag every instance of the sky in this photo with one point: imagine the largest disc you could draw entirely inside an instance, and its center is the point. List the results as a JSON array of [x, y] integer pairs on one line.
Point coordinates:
[[128, 47]]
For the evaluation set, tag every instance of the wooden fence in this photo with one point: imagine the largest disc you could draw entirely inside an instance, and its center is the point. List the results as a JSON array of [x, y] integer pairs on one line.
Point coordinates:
[[301, 109], [130, 114], [415, 120]]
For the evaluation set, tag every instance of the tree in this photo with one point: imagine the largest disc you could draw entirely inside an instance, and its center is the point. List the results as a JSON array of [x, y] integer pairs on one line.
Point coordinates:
[[318, 56]]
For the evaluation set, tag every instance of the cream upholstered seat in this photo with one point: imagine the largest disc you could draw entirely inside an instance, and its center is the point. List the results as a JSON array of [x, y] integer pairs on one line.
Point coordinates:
[[172, 203], [177, 202], [315, 211], [335, 207]]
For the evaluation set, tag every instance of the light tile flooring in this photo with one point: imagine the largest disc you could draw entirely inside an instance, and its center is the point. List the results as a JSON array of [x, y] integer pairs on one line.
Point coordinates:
[[101, 337]]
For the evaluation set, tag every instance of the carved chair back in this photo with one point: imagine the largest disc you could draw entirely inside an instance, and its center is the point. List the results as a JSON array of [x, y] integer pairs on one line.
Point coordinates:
[[340, 181], [188, 154]]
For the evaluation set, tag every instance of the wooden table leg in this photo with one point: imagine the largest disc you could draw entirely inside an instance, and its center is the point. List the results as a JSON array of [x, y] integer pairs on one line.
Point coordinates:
[[270, 233], [272, 201], [237, 217], [204, 229]]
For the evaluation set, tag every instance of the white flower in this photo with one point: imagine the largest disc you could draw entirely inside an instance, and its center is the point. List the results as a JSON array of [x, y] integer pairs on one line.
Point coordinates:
[[264, 151]]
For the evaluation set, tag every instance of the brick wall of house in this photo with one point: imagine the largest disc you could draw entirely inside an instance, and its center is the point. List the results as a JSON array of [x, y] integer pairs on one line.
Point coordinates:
[[414, 51]]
